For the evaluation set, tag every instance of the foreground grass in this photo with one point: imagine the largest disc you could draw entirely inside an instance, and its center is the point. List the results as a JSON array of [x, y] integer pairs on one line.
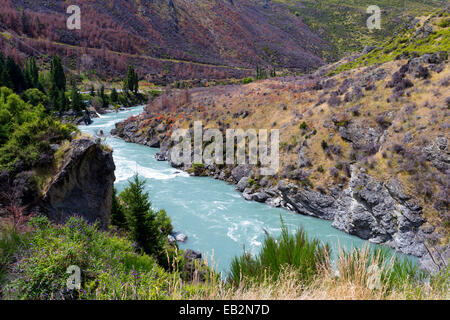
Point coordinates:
[[354, 279], [34, 262]]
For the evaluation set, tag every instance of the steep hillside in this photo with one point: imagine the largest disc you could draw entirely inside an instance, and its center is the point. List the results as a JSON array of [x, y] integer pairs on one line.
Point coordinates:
[[221, 37], [366, 148], [342, 23], [177, 39]]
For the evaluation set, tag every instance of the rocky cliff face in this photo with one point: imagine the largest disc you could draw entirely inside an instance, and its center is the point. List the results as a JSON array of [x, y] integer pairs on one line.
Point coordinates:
[[83, 186], [372, 210]]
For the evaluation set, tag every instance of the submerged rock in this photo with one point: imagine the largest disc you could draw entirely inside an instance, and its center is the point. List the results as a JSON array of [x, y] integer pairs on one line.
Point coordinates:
[[181, 237], [171, 239]]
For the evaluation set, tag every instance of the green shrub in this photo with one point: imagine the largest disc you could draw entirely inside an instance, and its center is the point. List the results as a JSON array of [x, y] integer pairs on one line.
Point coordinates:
[[247, 80], [197, 169], [118, 212], [26, 131], [110, 267], [444, 23], [35, 97], [10, 243], [164, 222], [303, 126]]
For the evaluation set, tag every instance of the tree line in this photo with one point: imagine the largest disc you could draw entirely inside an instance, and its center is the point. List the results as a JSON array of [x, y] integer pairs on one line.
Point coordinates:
[[54, 84]]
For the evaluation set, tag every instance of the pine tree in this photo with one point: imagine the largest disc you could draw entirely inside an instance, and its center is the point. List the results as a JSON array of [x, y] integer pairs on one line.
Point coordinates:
[[114, 96], [31, 73], [125, 86], [92, 93], [118, 212], [104, 97], [141, 219], [76, 99], [61, 102], [13, 76], [57, 75], [273, 73], [57, 95], [131, 83], [135, 82], [25, 24], [2, 68]]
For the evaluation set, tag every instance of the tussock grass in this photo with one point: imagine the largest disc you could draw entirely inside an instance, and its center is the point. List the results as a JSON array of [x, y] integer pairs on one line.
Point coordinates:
[[303, 255]]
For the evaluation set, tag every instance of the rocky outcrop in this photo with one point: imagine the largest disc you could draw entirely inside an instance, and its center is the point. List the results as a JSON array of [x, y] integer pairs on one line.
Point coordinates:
[[381, 213], [367, 208], [77, 117], [377, 211], [83, 186]]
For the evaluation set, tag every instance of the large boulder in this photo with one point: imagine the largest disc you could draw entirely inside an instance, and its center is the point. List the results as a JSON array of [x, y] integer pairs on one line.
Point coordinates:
[[362, 136], [83, 186], [307, 201], [242, 184], [241, 171]]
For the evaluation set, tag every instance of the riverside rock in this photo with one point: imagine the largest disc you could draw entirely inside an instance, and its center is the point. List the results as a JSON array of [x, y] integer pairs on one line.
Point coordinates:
[[372, 210], [83, 186], [181, 237], [242, 184]]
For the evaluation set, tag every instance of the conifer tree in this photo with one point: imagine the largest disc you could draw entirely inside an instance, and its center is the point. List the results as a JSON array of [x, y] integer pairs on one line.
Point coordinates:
[[131, 83], [76, 99], [57, 75], [141, 219], [61, 101], [2, 68], [104, 97], [25, 24], [57, 95], [135, 82], [31, 73], [13, 76], [117, 212], [114, 95]]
